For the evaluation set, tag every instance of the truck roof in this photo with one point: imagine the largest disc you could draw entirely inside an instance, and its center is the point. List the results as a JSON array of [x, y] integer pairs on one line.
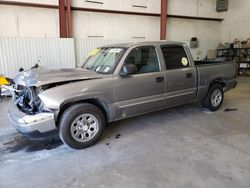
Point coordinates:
[[132, 44]]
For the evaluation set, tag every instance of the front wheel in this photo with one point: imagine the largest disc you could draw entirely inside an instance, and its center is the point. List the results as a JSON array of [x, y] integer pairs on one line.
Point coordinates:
[[214, 98], [81, 125]]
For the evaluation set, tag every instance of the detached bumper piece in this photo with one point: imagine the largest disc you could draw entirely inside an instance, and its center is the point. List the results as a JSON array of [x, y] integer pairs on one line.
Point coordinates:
[[38, 125]]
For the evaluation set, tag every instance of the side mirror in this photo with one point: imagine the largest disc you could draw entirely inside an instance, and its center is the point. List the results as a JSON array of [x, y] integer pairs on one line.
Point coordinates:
[[128, 69]]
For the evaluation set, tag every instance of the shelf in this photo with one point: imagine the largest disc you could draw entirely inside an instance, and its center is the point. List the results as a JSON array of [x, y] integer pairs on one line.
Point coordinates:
[[239, 55]]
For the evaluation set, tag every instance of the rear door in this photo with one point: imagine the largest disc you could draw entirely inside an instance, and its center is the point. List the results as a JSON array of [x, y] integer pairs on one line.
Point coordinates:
[[143, 91], [180, 75]]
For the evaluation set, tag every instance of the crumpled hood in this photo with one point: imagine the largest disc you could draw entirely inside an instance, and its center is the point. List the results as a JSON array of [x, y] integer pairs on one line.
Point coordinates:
[[39, 77]]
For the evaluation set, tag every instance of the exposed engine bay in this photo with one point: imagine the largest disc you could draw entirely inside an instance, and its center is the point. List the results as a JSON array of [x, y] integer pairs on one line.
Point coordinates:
[[27, 99]]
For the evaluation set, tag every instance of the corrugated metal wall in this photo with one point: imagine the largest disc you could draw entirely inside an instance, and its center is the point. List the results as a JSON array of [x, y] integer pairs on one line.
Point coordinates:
[[25, 52], [84, 46], [49, 53]]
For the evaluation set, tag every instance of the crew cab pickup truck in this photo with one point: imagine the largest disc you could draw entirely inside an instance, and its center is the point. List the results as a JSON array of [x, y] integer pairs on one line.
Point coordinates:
[[114, 82]]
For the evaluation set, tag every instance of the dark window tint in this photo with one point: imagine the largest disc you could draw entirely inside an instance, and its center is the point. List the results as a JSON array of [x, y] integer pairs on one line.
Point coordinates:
[[145, 59], [175, 57]]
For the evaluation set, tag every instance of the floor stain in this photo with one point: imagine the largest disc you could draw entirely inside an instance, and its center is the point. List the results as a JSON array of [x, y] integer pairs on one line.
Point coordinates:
[[118, 136], [230, 109], [19, 143]]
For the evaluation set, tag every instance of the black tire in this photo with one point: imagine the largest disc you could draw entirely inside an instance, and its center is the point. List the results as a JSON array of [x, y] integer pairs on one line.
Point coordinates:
[[207, 101], [70, 115]]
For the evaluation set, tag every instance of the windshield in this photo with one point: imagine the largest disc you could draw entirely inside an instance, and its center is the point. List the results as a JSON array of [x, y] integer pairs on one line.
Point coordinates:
[[103, 60]]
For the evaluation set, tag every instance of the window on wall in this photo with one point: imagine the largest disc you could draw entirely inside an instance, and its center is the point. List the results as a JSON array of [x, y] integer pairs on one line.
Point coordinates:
[[145, 59], [94, 1], [140, 3], [175, 57]]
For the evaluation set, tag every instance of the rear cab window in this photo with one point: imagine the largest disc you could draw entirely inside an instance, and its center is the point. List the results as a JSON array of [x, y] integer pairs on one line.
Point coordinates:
[[175, 57]]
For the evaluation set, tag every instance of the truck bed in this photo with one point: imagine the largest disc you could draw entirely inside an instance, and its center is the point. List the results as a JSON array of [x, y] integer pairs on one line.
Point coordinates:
[[210, 71], [209, 61]]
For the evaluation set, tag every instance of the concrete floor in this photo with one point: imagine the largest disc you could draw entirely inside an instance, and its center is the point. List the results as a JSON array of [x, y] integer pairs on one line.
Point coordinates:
[[180, 147]]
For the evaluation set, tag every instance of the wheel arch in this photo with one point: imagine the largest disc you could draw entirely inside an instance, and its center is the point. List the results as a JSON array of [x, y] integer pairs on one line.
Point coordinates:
[[206, 101], [221, 81], [102, 105]]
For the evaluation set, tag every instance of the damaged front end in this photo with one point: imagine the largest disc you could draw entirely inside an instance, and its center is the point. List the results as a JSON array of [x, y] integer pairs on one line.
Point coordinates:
[[28, 101], [29, 111], [28, 114]]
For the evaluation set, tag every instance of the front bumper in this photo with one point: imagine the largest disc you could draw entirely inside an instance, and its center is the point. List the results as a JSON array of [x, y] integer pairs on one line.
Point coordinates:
[[41, 124]]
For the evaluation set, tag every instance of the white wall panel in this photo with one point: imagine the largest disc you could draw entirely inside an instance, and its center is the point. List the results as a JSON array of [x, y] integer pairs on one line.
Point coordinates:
[[152, 6], [207, 32], [8, 22], [42, 23], [180, 29], [97, 23], [202, 8], [25, 52], [153, 28], [115, 26], [28, 22], [89, 25], [207, 8], [237, 22], [80, 24], [50, 2], [111, 26], [133, 27], [182, 7]]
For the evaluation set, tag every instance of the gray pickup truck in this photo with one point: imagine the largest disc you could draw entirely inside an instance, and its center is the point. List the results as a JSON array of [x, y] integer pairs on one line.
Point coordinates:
[[114, 82]]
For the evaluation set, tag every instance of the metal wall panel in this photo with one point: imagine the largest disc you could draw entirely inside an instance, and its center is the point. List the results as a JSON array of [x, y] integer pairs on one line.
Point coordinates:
[[25, 52], [48, 53], [84, 46]]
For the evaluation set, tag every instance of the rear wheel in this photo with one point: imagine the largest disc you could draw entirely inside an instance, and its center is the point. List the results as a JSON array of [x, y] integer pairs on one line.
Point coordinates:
[[214, 98], [81, 125]]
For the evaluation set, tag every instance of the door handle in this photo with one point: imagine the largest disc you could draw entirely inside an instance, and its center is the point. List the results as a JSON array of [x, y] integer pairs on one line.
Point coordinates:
[[189, 75], [159, 79]]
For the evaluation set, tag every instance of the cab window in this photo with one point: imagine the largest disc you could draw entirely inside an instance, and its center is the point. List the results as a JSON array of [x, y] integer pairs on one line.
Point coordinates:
[[145, 59], [175, 57]]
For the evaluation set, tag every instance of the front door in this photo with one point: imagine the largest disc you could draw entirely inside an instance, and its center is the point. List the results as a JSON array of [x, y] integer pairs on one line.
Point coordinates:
[[143, 91]]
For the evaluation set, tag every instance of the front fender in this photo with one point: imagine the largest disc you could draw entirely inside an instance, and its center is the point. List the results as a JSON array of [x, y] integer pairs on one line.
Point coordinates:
[[55, 98]]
